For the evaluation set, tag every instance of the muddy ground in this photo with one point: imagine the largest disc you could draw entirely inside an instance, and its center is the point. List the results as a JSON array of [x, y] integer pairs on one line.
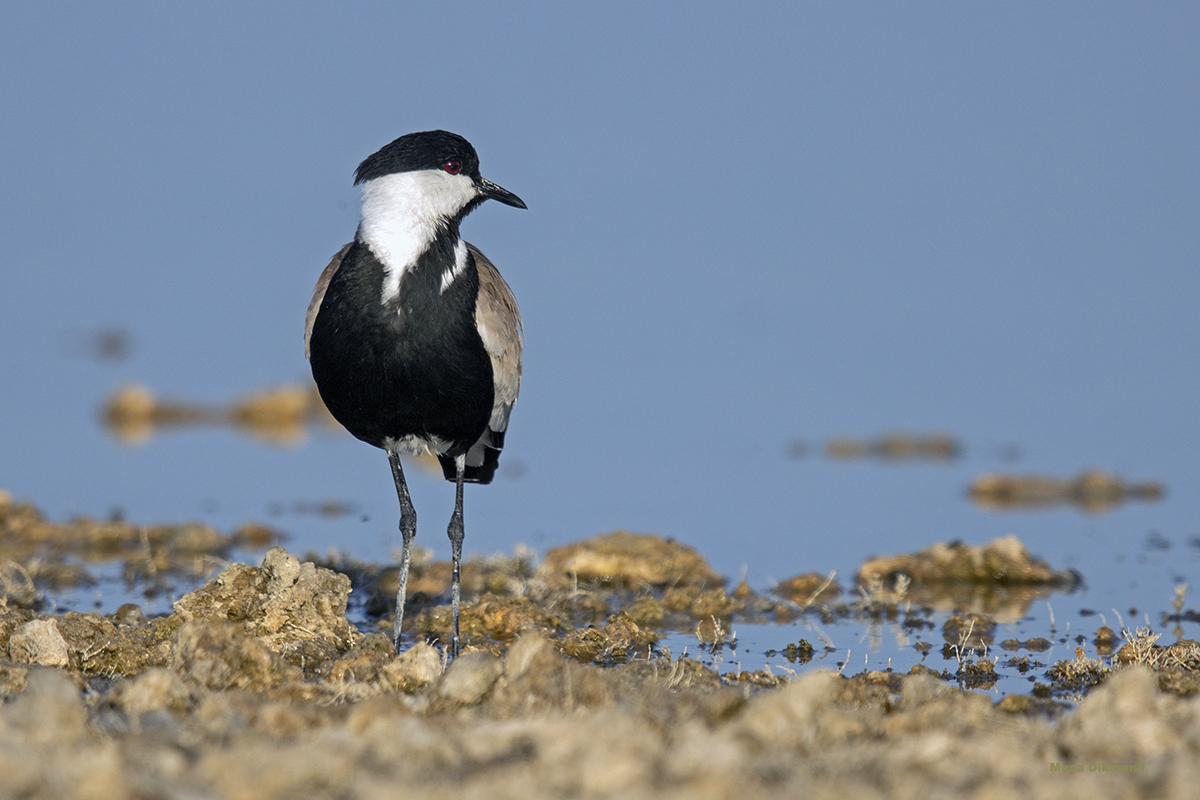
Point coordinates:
[[257, 685]]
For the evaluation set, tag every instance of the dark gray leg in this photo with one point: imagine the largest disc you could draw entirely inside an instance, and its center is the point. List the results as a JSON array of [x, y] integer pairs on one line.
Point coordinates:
[[455, 532], [408, 529]]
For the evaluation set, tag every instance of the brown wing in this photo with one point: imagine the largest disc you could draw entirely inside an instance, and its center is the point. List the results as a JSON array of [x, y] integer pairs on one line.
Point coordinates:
[[499, 324], [318, 297]]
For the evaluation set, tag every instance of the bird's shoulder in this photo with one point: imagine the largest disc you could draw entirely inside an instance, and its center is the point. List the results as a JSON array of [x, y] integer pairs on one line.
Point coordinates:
[[496, 308], [318, 297], [499, 323]]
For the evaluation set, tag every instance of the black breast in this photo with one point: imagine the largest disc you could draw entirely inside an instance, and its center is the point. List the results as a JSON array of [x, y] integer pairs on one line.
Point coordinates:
[[414, 365]]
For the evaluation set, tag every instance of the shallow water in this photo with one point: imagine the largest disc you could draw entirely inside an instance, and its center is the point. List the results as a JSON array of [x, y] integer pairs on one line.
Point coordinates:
[[1127, 580], [791, 508]]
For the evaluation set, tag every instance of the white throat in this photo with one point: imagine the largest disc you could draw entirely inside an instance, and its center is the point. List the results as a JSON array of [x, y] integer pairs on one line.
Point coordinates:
[[402, 215]]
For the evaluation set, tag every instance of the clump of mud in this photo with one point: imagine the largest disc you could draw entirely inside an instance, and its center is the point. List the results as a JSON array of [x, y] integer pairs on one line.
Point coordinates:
[[896, 447], [37, 555], [805, 590], [1093, 491], [630, 559], [999, 579], [1175, 667], [617, 587]]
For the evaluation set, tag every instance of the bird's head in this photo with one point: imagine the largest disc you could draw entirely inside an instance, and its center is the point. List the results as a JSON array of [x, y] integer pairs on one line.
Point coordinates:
[[432, 174]]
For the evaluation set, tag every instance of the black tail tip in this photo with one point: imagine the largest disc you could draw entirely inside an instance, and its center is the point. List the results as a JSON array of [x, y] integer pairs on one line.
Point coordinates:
[[480, 474]]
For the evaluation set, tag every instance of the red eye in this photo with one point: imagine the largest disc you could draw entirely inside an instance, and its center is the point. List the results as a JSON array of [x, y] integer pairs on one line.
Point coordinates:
[[453, 167]]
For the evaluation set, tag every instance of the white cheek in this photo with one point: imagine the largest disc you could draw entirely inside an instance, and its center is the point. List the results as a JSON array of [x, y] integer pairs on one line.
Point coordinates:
[[402, 214]]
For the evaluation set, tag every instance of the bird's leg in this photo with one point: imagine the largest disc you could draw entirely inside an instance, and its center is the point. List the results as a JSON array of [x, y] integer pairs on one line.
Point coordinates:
[[455, 532], [408, 530]]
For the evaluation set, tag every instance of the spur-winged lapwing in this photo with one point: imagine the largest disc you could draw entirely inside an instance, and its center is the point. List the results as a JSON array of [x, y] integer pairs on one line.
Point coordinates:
[[413, 337]]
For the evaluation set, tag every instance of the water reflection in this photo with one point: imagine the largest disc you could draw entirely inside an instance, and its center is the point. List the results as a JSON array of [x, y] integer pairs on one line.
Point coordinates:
[[282, 415], [110, 343], [887, 447], [1092, 491], [329, 509]]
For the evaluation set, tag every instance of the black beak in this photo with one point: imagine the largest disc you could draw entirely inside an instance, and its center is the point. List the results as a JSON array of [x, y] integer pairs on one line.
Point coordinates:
[[495, 192]]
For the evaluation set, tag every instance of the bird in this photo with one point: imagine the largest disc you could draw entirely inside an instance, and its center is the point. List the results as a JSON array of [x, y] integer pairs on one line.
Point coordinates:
[[413, 336]]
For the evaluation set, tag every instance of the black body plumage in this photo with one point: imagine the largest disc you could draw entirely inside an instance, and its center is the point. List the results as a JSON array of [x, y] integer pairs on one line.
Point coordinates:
[[412, 366]]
